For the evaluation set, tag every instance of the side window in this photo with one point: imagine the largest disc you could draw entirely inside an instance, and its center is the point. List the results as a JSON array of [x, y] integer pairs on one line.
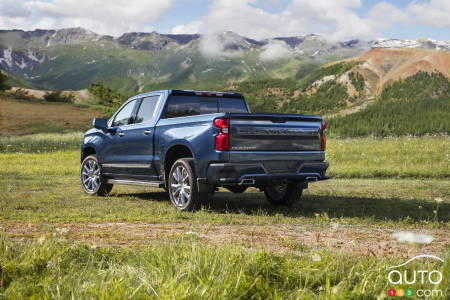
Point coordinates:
[[181, 106], [124, 117], [146, 110]]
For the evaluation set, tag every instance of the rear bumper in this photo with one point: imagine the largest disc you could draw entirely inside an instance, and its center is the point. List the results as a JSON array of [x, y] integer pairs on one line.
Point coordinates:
[[256, 174]]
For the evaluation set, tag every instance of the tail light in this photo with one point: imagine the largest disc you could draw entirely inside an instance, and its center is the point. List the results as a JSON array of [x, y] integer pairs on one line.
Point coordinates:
[[324, 137], [223, 138]]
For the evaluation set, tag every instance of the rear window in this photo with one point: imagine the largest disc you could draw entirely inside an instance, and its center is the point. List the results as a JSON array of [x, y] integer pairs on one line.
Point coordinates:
[[181, 106]]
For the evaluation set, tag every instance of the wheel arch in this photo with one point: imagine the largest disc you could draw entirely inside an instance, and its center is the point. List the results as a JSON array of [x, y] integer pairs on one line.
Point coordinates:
[[88, 150], [173, 153]]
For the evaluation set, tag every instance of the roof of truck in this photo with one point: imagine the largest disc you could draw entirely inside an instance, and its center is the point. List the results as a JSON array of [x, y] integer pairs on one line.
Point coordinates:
[[193, 93]]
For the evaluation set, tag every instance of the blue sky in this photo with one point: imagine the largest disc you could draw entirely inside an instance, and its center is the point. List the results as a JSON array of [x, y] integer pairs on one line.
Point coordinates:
[[336, 19]]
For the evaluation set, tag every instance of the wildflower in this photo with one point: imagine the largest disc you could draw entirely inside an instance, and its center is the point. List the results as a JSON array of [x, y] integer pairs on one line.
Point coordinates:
[[412, 238], [438, 199], [62, 230], [336, 226], [316, 257]]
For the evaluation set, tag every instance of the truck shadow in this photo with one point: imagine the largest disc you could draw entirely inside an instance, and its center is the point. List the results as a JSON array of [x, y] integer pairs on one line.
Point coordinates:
[[335, 207], [332, 206]]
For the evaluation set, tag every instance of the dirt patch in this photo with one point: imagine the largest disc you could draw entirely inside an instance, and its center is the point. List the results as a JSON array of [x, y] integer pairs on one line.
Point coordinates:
[[279, 239], [381, 66]]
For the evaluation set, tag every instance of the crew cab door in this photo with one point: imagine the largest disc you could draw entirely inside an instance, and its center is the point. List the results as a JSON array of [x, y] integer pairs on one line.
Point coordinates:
[[130, 151]]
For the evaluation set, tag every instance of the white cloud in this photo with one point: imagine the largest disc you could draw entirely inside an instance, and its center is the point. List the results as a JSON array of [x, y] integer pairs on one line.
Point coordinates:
[[433, 13], [336, 19], [385, 15], [102, 16], [13, 9], [275, 50], [190, 28]]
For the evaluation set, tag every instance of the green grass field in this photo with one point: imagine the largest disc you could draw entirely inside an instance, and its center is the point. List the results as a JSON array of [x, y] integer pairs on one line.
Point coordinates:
[[335, 243]]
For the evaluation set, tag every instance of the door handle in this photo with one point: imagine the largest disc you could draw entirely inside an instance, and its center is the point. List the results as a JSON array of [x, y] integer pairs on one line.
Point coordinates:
[[121, 134], [146, 132]]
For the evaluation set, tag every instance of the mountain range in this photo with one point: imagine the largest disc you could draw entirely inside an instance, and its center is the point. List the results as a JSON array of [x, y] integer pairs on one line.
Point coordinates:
[[73, 58]]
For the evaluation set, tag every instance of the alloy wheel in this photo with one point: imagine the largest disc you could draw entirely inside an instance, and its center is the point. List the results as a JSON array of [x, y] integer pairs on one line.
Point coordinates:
[[90, 175], [180, 187]]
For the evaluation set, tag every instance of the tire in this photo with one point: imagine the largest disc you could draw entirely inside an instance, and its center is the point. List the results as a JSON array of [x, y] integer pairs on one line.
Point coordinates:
[[283, 194], [182, 186], [92, 181]]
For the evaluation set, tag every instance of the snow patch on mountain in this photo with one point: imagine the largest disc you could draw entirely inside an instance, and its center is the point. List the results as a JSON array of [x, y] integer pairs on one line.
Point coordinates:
[[7, 57], [418, 44]]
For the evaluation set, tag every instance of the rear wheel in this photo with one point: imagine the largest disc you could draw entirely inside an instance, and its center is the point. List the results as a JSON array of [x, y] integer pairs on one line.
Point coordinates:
[[182, 186], [283, 194], [92, 181]]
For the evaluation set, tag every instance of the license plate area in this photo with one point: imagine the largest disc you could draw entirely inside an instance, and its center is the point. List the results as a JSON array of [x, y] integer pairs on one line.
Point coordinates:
[[274, 167]]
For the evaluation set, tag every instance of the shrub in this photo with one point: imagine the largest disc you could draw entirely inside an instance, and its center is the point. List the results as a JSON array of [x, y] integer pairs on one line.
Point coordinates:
[[58, 96], [3, 85]]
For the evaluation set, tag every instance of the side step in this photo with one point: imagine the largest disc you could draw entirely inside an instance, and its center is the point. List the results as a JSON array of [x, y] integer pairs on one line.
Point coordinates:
[[158, 184]]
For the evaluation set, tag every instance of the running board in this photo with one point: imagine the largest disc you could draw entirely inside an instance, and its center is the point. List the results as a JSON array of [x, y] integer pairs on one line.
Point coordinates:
[[158, 184]]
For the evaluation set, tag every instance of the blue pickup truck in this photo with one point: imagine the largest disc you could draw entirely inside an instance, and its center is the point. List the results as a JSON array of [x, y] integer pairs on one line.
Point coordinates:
[[192, 142]]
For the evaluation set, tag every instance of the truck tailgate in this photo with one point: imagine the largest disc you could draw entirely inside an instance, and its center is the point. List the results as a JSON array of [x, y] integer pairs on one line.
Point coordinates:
[[275, 132]]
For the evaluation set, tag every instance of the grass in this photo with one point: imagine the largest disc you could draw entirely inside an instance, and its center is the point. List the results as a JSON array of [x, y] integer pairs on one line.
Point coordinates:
[[46, 188], [41, 142], [404, 157], [185, 268], [336, 243], [31, 117]]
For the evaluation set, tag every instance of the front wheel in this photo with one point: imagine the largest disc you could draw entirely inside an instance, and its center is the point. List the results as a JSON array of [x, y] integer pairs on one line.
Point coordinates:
[[182, 186], [92, 181], [283, 194]]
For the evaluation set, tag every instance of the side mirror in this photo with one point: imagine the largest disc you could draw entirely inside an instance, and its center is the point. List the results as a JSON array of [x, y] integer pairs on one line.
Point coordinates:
[[100, 123]]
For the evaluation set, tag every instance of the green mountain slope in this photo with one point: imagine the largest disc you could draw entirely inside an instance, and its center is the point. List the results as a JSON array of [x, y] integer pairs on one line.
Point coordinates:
[[418, 105], [74, 58]]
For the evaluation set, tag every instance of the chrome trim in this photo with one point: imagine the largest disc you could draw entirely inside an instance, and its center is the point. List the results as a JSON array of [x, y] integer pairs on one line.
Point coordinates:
[[247, 181], [137, 166], [136, 182]]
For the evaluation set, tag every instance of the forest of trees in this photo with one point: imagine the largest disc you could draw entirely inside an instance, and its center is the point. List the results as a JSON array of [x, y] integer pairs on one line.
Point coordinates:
[[417, 105]]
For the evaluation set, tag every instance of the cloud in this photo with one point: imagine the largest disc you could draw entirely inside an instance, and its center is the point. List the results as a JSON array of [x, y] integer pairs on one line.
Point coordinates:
[[336, 19], [433, 13], [385, 15], [220, 44], [190, 28], [103, 16], [243, 17], [212, 46], [275, 50], [13, 9]]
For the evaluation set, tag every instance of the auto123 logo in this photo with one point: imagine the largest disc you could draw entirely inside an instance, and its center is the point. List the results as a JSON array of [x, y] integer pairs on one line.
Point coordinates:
[[401, 275]]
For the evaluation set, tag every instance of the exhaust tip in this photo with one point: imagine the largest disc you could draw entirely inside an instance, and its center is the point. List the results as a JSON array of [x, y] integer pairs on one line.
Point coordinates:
[[247, 181], [311, 179]]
